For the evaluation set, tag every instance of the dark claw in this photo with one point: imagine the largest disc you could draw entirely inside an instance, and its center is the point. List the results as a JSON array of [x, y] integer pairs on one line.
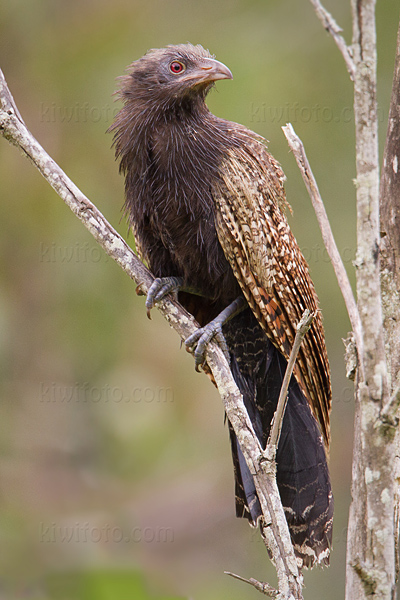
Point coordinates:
[[139, 290]]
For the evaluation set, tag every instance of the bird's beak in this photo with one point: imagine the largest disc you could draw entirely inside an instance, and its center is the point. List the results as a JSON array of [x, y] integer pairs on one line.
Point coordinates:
[[210, 70]]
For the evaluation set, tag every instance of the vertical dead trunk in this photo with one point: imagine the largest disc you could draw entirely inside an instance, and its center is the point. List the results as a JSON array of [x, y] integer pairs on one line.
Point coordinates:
[[390, 266], [390, 226], [370, 548]]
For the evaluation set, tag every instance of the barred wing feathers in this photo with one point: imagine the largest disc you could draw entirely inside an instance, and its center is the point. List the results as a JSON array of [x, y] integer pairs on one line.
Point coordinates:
[[268, 264]]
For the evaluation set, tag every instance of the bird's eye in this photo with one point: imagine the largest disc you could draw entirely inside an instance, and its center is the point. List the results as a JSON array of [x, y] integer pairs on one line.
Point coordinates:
[[176, 67]]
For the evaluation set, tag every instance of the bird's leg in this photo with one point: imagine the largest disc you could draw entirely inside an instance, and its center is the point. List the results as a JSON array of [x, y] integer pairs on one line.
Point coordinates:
[[162, 286], [202, 336]]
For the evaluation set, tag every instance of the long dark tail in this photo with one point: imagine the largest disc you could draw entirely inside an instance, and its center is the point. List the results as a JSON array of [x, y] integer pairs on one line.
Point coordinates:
[[302, 470]]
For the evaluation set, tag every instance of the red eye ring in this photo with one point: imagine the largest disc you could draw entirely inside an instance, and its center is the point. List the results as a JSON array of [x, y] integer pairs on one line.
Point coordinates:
[[176, 67]]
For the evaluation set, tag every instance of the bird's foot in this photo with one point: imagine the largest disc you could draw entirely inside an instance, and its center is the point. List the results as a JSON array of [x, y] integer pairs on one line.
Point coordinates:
[[202, 336], [160, 288]]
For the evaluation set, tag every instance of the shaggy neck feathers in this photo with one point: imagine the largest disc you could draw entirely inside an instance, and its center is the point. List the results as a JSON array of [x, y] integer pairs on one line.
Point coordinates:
[[169, 149]]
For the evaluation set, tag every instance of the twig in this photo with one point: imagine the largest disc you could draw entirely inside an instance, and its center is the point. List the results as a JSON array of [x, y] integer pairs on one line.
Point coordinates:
[[390, 411], [261, 586], [302, 327], [333, 28], [276, 535], [297, 147]]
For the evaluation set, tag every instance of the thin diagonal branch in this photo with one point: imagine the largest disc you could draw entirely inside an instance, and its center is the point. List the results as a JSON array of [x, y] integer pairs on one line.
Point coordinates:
[[301, 329], [297, 147], [276, 534], [333, 28], [261, 586]]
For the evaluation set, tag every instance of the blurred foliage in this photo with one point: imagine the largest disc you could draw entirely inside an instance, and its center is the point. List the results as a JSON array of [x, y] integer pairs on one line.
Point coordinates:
[[105, 426], [99, 585]]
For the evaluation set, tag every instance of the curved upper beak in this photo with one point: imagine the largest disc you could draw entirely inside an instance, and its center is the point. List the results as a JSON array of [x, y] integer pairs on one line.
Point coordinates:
[[210, 70]]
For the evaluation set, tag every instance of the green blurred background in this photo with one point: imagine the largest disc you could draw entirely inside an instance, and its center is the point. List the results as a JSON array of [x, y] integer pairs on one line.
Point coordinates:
[[115, 469]]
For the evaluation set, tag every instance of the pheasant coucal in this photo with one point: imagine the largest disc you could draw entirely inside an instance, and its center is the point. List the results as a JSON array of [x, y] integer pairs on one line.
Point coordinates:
[[206, 203]]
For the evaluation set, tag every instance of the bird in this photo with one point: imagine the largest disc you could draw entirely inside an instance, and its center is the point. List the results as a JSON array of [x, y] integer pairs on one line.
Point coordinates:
[[206, 202]]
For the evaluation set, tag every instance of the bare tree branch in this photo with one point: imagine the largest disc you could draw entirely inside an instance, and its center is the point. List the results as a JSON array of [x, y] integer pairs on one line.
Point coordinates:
[[297, 147], [333, 28], [261, 586], [302, 327], [275, 529]]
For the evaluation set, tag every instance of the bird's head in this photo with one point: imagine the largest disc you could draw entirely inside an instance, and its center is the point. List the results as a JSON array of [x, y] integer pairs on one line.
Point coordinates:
[[172, 74], [164, 85]]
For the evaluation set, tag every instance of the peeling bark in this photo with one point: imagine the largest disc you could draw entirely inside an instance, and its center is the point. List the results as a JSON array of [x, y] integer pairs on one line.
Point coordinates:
[[390, 272]]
